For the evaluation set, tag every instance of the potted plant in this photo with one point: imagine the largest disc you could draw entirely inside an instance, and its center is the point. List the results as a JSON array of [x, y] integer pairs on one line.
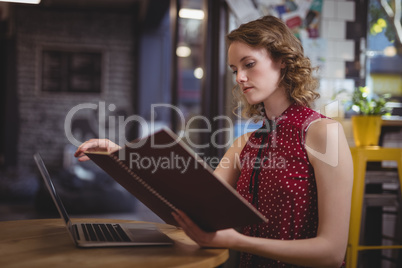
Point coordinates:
[[366, 123]]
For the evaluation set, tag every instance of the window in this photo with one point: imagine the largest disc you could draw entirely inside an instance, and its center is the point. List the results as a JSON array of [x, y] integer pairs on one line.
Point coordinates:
[[69, 71], [384, 53]]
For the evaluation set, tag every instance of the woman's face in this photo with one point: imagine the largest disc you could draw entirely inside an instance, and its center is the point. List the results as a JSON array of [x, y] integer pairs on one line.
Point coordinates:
[[256, 73]]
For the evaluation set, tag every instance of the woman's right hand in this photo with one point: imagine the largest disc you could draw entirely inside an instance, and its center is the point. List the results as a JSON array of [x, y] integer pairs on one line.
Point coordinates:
[[95, 145]]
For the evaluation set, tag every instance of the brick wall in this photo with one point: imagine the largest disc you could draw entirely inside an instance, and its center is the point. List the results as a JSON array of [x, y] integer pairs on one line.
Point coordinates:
[[42, 114]]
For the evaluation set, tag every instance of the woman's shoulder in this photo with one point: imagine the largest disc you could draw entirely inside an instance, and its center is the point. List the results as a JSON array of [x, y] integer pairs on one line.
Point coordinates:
[[242, 140], [302, 117], [321, 126], [324, 133]]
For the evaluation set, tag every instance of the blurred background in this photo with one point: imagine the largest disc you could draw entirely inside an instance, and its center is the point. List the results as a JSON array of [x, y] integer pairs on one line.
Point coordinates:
[[71, 70]]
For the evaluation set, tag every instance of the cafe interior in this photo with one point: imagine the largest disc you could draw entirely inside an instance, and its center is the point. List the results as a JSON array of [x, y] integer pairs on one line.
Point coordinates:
[[73, 70]]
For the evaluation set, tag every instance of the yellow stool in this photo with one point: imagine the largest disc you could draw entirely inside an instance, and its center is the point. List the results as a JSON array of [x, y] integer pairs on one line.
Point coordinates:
[[362, 155]]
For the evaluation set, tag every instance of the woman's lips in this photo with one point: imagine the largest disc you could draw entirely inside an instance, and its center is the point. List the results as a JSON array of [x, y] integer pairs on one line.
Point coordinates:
[[247, 89]]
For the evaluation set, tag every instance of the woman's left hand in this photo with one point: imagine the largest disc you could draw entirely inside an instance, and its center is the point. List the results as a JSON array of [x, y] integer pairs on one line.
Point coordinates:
[[219, 239]]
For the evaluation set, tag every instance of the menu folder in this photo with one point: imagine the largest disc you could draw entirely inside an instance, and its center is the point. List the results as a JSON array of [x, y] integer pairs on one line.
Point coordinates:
[[162, 172]]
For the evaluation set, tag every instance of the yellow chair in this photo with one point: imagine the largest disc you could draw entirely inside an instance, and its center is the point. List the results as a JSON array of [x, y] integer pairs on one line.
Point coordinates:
[[362, 155]]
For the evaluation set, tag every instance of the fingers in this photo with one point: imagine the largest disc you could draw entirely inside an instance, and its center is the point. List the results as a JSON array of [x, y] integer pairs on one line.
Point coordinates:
[[91, 144], [179, 219], [94, 145], [83, 158], [189, 227], [183, 219]]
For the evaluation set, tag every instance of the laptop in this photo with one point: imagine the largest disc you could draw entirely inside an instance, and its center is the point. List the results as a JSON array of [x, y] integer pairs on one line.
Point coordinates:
[[87, 234]]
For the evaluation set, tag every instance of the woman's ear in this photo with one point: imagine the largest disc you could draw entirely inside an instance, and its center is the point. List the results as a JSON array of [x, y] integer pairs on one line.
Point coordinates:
[[283, 64]]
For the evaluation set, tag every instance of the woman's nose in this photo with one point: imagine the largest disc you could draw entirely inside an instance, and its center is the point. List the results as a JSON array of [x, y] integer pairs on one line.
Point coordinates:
[[241, 77]]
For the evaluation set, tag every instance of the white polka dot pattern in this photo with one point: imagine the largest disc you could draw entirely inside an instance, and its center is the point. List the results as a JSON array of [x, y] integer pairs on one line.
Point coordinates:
[[287, 194]]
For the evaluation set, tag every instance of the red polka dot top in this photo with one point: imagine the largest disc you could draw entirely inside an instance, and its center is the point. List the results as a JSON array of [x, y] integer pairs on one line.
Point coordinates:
[[278, 179]]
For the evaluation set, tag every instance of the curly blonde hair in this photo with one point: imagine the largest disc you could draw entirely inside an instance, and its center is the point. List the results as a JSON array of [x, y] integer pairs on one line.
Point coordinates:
[[297, 77]]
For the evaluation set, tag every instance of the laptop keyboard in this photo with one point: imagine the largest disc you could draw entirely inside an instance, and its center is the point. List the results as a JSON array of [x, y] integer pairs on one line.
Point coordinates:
[[104, 232]]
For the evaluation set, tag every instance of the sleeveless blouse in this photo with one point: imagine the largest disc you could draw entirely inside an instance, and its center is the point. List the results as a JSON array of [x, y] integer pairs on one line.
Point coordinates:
[[278, 179]]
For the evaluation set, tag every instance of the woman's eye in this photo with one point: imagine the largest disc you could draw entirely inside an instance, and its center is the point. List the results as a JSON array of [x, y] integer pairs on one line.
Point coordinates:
[[249, 65], [234, 72]]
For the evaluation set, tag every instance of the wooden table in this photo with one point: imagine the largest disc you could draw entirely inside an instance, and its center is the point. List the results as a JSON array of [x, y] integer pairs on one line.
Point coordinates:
[[46, 243]]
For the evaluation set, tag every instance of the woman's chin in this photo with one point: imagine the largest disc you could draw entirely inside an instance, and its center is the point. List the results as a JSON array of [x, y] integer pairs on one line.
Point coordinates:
[[253, 101]]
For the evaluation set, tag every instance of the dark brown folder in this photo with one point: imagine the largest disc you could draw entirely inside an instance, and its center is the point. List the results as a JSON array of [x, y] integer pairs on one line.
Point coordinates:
[[165, 174]]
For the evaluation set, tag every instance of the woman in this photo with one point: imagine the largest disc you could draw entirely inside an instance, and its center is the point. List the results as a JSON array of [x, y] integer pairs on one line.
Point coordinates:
[[304, 187], [296, 169]]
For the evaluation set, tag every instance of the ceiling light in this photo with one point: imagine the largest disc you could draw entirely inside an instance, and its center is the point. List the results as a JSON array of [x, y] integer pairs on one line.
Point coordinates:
[[187, 13], [183, 51], [199, 73], [22, 1]]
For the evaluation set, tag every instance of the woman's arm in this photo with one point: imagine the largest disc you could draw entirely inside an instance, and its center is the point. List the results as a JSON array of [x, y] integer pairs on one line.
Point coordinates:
[[329, 154]]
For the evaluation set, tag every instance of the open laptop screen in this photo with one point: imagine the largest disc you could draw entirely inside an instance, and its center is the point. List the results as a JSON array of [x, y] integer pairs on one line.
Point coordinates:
[[52, 190]]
